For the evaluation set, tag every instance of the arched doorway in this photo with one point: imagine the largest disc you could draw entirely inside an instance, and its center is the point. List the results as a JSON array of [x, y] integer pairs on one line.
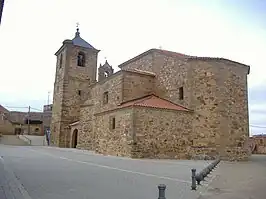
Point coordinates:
[[75, 138]]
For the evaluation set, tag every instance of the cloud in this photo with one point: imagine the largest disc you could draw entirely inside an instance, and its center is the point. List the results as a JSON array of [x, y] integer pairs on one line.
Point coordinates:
[[257, 109]]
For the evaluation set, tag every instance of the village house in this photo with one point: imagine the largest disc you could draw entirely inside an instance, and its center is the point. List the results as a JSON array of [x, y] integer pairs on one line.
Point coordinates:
[[259, 144], [33, 123], [160, 104]]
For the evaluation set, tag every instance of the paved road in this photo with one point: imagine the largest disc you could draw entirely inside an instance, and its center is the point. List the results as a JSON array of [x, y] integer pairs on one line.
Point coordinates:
[[242, 180], [40, 172]]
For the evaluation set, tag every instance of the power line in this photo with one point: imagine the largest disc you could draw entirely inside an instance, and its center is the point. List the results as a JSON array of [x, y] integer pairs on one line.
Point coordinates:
[[35, 109], [21, 107]]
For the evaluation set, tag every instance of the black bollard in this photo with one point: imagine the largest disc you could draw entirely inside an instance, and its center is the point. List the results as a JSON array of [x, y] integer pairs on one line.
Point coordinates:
[[199, 178], [162, 188], [193, 185]]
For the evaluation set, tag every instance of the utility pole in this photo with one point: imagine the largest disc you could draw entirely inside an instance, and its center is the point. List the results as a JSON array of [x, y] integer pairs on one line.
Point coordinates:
[[1, 9], [29, 121]]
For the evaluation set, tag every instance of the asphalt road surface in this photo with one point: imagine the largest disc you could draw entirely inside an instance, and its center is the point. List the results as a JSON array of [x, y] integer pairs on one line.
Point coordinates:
[[40, 172]]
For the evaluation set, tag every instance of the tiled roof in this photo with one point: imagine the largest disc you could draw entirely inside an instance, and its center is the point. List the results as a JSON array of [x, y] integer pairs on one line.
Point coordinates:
[[165, 52], [170, 53], [176, 54], [213, 58], [78, 41], [153, 101]]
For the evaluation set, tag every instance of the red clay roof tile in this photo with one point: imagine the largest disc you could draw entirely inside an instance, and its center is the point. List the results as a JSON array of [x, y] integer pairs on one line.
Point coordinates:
[[154, 102]]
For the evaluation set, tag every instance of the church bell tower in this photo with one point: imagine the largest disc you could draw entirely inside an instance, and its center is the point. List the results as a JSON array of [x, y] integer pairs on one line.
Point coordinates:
[[76, 69]]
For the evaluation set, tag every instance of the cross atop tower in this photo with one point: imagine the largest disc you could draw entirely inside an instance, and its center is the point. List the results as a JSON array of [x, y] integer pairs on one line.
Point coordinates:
[[77, 26]]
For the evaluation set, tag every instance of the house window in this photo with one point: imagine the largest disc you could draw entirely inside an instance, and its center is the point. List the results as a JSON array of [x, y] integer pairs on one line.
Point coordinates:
[[181, 93], [79, 92], [81, 59], [112, 123], [105, 97], [61, 61]]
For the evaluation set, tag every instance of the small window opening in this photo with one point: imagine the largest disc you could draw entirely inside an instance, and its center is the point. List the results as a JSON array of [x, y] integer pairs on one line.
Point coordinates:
[[79, 92], [37, 130], [113, 123], [81, 59], [181, 93], [105, 97]]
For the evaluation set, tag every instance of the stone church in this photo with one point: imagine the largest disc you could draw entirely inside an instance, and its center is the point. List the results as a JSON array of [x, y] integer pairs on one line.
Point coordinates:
[[160, 104]]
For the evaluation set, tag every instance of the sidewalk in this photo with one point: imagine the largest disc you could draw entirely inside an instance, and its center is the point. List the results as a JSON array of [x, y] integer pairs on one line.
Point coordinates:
[[238, 180], [12, 140]]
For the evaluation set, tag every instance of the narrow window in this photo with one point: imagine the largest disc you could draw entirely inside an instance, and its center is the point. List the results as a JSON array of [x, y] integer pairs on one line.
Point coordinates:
[[81, 59], [105, 97], [181, 93], [113, 123], [79, 92], [61, 61]]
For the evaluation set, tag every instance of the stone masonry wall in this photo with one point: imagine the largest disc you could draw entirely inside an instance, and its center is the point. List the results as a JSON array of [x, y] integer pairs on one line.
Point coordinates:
[[94, 104], [114, 88], [215, 90], [136, 85], [171, 74], [116, 141], [71, 90], [162, 133], [219, 99], [6, 127], [86, 132]]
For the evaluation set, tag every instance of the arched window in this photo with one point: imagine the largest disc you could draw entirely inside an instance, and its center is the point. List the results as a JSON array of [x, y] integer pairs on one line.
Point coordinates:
[[106, 74], [61, 61], [81, 59]]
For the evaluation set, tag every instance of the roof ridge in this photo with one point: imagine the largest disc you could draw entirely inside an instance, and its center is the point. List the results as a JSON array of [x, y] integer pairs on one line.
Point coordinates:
[[173, 52]]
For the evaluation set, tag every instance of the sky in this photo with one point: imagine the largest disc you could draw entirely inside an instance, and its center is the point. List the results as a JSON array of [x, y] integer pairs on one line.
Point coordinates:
[[33, 30]]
